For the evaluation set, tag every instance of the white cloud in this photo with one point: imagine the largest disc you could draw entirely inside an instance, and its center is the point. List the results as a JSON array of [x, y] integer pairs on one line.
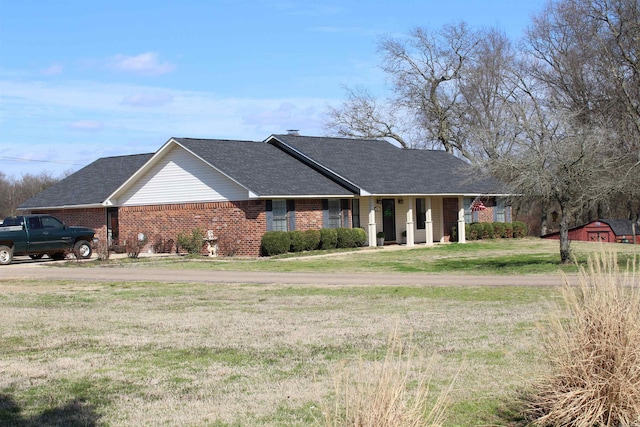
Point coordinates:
[[145, 64], [53, 70]]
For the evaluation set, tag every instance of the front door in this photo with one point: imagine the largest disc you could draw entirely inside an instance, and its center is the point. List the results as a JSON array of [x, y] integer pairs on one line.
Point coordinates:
[[389, 219], [449, 215], [112, 226]]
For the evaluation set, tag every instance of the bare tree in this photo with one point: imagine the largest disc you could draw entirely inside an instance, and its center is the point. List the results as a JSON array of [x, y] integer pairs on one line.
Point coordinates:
[[14, 192]]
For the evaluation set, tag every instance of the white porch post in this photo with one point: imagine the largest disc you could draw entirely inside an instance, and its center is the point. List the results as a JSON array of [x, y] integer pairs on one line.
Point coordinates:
[[372, 222], [462, 235], [409, 229], [428, 222]]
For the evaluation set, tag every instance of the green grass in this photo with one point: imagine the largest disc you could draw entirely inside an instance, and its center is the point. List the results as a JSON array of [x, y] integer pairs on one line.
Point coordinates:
[[503, 257]]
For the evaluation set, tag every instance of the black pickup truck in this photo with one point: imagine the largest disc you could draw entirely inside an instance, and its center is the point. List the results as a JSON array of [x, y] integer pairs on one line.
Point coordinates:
[[37, 235]]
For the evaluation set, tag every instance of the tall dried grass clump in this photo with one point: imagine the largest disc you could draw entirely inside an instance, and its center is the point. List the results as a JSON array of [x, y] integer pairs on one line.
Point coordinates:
[[388, 394], [595, 352]]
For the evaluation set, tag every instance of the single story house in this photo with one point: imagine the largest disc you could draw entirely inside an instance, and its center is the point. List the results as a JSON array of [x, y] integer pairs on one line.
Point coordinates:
[[241, 189], [602, 230]]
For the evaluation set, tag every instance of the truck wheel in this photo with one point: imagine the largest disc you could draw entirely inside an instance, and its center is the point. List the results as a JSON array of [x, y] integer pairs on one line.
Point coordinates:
[[58, 256], [36, 256], [82, 249], [6, 255]]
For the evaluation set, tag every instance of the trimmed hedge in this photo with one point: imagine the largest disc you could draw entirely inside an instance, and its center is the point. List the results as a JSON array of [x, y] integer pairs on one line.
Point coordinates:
[[312, 239], [328, 238], [275, 243], [492, 230], [280, 242], [298, 241]]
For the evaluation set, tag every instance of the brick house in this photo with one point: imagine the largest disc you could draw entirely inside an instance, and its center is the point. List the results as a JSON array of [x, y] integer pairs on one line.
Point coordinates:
[[241, 189]]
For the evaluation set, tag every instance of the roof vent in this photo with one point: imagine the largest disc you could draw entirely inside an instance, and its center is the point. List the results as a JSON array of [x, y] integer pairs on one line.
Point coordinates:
[[294, 132]]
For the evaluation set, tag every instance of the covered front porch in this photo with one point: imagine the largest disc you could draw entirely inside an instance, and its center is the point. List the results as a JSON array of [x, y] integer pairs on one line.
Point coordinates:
[[411, 220]]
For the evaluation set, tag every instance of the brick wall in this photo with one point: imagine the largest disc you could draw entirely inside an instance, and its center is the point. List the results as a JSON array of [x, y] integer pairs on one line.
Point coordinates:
[[309, 214], [238, 226]]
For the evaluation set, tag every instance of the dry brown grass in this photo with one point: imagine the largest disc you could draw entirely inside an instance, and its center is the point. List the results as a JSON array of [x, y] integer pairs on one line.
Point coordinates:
[[386, 394], [595, 352]]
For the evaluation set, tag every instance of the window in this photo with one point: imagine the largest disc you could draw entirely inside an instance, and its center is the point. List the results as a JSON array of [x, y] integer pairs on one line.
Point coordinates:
[[281, 215], [468, 214], [51, 222], [355, 213], [499, 211], [334, 210], [421, 213]]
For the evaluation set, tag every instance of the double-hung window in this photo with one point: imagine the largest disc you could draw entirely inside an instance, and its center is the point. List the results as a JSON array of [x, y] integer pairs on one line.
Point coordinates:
[[281, 215]]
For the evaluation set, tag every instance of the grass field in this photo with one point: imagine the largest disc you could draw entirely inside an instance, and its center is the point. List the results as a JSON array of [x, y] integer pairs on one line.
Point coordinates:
[[134, 354]]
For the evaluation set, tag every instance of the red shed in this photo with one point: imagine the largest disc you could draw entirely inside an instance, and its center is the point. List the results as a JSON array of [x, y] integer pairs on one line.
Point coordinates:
[[602, 230]]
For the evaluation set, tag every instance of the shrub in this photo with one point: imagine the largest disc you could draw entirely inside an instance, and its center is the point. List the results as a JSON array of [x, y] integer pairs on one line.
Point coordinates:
[[519, 229], [134, 244], [388, 393], [473, 231], [508, 230], [298, 241], [594, 351], [328, 238], [498, 230], [360, 236], [191, 242], [102, 250], [487, 230], [275, 243], [312, 239], [345, 238]]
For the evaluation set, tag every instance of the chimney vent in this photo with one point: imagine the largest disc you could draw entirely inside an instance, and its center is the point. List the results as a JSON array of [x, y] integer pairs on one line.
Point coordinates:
[[294, 132]]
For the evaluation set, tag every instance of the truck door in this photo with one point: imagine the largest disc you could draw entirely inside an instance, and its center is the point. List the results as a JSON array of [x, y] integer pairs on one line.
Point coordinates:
[[48, 234]]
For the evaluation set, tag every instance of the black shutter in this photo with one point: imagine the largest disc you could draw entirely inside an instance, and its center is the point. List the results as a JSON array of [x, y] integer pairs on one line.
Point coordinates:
[[325, 213]]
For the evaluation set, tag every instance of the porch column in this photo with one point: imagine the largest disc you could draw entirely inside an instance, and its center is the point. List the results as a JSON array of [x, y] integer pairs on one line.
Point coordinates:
[[462, 235], [409, 229], [428, 222], [372, 222]]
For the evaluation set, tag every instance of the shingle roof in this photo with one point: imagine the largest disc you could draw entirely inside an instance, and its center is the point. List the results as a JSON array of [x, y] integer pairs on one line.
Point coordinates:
[[620, 227], [90, 185], [379, 167], [262, 168]]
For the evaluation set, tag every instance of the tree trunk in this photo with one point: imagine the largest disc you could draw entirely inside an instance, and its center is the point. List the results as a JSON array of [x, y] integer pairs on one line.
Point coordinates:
[[565, 250]]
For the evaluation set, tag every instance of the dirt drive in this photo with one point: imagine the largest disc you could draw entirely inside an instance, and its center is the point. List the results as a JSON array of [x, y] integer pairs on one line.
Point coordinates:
[[45, 270]]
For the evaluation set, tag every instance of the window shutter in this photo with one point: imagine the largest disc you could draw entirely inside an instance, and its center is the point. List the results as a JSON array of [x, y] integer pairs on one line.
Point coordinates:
[[269, 214], [507, 214], [325, 213], [291, 212]]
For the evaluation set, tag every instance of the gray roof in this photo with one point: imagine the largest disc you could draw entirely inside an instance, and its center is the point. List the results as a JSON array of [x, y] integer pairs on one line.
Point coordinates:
[[379, 167], [263, 168], [90, 185], [620, 227]]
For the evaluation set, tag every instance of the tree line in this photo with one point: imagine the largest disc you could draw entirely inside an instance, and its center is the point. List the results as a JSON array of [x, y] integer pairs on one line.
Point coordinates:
[[555, 115], [15, 191]]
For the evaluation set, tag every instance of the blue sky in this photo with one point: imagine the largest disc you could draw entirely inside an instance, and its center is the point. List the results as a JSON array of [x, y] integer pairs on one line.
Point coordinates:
[[83, 79]]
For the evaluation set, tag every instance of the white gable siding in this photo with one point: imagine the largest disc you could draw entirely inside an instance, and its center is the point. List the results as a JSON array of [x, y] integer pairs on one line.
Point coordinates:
[[180, 177]]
